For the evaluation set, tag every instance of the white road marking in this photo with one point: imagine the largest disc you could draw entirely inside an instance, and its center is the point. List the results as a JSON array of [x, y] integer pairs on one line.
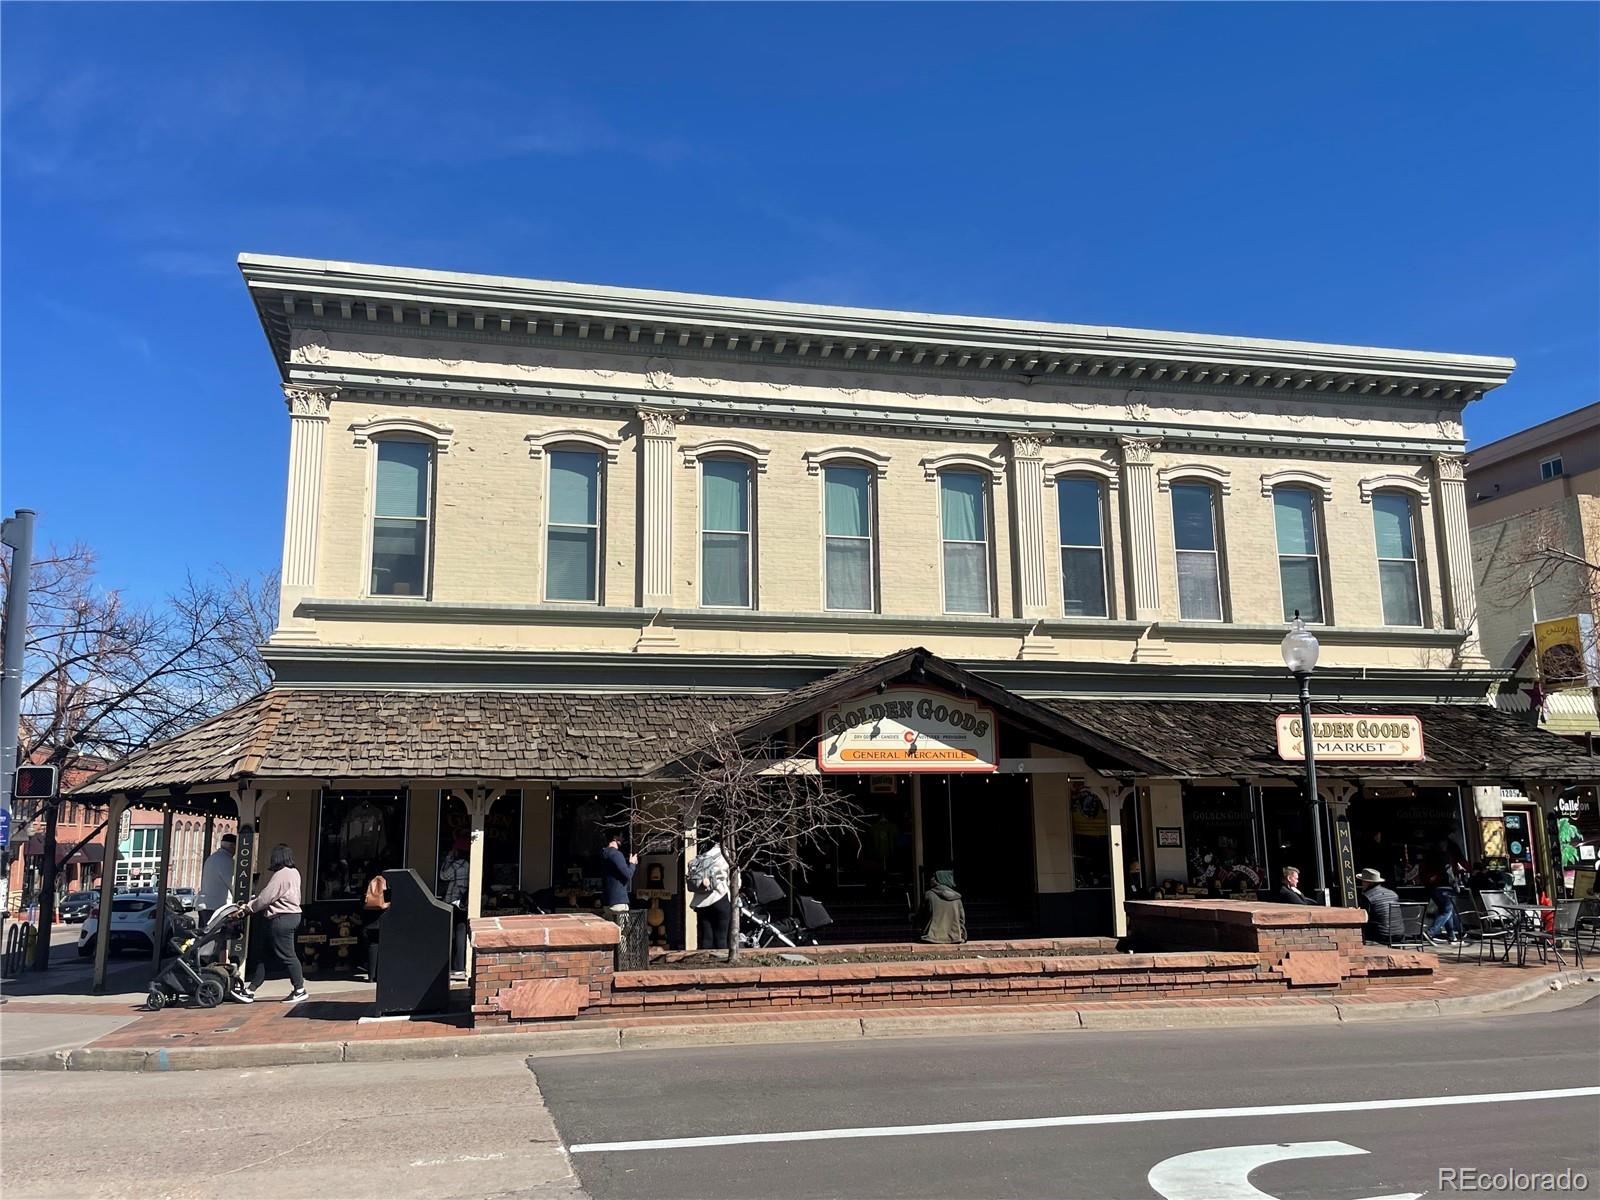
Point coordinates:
[[1224, 1172], [1133, 1118]]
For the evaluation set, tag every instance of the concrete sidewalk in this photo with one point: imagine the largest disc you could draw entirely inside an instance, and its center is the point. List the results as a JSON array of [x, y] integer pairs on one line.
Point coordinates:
[[327, 1029]]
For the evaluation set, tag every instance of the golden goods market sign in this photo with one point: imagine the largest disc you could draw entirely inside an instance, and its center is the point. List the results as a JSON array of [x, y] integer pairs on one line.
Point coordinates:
[[907, 731], [1352, 738]]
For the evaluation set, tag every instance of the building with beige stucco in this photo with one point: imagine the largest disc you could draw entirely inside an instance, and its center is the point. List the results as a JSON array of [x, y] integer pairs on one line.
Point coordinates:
[[539, 534]]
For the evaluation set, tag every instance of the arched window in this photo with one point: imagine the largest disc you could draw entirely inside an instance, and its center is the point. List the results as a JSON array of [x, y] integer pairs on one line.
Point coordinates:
[[726, 532], [1196, 542], [964, 525], [401, 517], [572, 525], [847, 520], [1080, 505], [1394, 521], [1298, 520]]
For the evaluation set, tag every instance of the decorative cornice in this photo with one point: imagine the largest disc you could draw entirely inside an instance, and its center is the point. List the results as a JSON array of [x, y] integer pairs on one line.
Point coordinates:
[[396, 424], [1294, 477], [1102, 471], [539, 443], [1372, 484], [727, 446], [291, 291], [309, 401], [817, 459], [958, 461], [1167, 476]]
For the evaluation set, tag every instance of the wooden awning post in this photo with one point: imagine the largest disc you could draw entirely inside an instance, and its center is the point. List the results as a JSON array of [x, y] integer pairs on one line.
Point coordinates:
[[163, 874], [108, 887]]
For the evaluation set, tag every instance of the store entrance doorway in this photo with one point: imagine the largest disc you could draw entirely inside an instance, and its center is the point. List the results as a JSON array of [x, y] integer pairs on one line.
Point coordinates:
[[981, 828]]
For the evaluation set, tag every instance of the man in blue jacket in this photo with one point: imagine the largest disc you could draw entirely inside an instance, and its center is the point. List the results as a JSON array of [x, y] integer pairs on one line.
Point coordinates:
[[616, 876]]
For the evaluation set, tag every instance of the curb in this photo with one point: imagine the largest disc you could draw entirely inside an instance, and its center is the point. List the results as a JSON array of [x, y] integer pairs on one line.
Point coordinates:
[[590, 1040]]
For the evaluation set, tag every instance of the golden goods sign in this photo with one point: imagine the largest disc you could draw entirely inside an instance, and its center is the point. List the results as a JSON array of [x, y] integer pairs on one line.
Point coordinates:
[[907, 731], [1352, 738]]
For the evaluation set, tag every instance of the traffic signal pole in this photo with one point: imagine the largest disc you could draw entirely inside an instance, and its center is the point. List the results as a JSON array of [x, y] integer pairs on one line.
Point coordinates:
[[16, 532]]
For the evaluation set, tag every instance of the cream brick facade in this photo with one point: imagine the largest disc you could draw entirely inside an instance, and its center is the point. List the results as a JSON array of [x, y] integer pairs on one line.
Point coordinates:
[[494, 387]]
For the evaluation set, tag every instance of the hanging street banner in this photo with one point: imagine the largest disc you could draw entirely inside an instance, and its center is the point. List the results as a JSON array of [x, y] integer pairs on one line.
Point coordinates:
[[1352, 738], [908, 730], [1568, 653]]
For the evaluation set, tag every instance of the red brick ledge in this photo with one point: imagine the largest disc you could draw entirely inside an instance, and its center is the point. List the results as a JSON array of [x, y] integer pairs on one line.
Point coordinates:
[[1258, 913], [567, 930]]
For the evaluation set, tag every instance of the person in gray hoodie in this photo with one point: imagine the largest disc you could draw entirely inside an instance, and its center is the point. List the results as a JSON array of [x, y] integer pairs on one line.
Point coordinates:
[[947, 916]]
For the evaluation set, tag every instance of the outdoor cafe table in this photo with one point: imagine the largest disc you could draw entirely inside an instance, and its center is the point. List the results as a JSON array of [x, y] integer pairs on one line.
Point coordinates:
[[1530, 919]]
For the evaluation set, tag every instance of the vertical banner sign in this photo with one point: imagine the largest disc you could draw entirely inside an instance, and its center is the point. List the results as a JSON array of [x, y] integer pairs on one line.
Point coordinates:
[[244, 866], [907, 731], [1568, 654], [1346, 857]]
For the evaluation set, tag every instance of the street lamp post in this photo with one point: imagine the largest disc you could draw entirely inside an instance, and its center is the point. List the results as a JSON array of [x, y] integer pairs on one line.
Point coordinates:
[[1300, 650]]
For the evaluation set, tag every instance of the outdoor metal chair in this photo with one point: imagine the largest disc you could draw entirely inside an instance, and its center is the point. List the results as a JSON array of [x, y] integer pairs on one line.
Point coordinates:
[[1586, 928], [1405, 924], [1484, 927]]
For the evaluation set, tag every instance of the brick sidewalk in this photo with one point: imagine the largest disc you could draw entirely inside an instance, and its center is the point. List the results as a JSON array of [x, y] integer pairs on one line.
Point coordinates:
[[334, 1017]]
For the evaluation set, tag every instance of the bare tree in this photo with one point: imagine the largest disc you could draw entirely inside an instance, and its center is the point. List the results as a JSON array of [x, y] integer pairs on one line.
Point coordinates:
[[103, 677], [1543, 558], [763, 806]]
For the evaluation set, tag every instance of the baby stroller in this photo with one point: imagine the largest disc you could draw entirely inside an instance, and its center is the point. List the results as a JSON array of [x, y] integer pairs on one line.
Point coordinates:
[[188, 976], [760, 924]]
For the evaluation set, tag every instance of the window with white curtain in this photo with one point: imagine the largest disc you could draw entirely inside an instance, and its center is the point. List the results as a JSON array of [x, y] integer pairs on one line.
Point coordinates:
[[847, 538], [1299, 553], [572, 527], [1399, 582], [1080, 503], [964, 521], [725, 533], [1194, 536], [402, 504]]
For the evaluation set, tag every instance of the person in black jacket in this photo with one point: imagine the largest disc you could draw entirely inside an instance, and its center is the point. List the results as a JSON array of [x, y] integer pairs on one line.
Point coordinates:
[[616, 876], [1289, 890]]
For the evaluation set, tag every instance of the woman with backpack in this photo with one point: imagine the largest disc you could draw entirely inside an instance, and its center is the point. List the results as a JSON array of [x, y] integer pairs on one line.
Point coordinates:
[[708, 876]]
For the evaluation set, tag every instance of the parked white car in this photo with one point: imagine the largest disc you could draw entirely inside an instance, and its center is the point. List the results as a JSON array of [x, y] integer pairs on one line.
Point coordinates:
[[133, 923]]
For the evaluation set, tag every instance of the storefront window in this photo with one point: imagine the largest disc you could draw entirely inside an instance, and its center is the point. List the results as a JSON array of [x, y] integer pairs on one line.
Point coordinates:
[[1400, 831], [502, 846], [1224, 856], [582, 818], [359, 834], [1091, 840]]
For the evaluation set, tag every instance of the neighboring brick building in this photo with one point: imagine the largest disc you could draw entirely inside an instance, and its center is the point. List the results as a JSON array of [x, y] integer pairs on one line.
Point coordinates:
[[537, 533]]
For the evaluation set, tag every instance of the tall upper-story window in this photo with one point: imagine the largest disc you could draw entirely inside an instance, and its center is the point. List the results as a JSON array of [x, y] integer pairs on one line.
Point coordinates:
[[1399, 581], [402, 505], [847, 536], [964, 522], [572, 527], [1081, 505], [725, 532], [1194, 535], [1299, 553]]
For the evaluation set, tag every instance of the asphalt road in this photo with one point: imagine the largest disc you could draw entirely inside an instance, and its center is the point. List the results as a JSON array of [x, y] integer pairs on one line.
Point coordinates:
[[1353, 1153]]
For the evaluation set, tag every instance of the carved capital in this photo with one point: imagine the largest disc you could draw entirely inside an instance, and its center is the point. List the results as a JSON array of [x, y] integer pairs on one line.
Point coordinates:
[[1450, 467], [1027, 445], [660, 422], [310, 403], [1136, 451]]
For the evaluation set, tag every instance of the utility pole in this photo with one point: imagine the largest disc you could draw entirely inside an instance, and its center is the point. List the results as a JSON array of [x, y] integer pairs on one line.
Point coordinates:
[[16, 532]]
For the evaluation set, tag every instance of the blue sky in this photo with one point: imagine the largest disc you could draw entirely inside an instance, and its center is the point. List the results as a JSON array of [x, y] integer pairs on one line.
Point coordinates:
[[1416, 176]]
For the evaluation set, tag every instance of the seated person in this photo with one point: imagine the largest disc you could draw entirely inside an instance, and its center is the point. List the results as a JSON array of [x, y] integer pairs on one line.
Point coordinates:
[[1382, 905], [1289, 890], [947, 917]]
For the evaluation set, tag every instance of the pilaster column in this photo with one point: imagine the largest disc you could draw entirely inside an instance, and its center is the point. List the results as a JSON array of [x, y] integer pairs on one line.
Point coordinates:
[[660, 432], [1337, 794], [1455, 542], [1027, 523], [1112, 795], [1139, 527], [308, 418]]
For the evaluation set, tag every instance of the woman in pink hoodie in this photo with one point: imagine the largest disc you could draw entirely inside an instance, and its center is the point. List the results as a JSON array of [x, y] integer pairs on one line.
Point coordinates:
[[279, 902]]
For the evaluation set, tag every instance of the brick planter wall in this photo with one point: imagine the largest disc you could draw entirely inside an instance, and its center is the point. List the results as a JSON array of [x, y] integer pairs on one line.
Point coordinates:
[[1308, 946], [540, 968]]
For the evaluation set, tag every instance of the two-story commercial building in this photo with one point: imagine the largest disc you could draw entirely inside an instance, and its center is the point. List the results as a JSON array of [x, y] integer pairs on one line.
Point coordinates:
[[540, 535]]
